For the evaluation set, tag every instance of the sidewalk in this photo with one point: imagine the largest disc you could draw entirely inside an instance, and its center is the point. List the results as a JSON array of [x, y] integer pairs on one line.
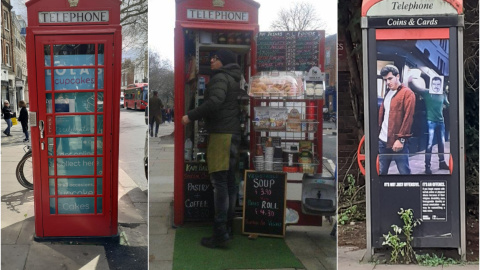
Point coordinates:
[[313, 246], [349, 258], [19, 251]]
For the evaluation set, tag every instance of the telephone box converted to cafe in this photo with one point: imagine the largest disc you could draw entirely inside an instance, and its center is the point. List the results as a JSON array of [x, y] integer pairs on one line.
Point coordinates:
[[424, 169], [201, 28], [74, 66]]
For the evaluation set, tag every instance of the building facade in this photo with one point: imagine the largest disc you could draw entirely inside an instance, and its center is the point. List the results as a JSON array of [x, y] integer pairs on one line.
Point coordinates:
[[8, 60], [20, 55]]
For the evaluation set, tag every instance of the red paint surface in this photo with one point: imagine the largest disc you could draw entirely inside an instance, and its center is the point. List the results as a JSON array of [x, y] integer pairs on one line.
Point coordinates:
[[54, 225]]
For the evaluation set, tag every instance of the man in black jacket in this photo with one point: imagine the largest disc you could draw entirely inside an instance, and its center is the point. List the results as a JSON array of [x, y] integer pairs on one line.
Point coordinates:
[[220, 111], [7, 115]]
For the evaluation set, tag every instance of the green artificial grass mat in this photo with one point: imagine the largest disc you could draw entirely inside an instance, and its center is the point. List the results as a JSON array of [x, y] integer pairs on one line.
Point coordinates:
[[240, 252]]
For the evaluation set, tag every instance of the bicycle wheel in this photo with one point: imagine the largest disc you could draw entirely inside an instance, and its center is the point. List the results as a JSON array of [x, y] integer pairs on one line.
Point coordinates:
[[24, 171]]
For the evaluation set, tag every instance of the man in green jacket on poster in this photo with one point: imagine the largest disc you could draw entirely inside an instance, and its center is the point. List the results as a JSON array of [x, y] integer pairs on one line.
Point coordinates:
[[220, 111]]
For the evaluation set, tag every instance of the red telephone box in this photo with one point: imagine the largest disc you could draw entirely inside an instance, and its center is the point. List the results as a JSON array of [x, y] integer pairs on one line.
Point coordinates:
[[74, 115], [201, 28]]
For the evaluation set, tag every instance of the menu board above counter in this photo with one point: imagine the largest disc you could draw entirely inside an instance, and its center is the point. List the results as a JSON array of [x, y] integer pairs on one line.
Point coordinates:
[[289, 51]]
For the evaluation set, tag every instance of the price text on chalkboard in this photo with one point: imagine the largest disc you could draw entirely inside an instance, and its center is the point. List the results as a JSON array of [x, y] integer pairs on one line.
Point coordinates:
[[198, 192], [264, 203], [289, 51]]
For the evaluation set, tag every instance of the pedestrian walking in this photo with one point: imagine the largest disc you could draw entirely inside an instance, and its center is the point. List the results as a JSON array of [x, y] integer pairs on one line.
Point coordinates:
[[221, 113], [23, 118], [7, 115], [155, 107]]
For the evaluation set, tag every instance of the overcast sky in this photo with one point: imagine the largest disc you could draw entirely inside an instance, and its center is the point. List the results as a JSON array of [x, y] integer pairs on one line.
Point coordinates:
[[161, 20]]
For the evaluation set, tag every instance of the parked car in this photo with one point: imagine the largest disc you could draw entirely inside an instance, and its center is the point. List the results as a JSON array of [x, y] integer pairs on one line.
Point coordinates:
[[121, 101]]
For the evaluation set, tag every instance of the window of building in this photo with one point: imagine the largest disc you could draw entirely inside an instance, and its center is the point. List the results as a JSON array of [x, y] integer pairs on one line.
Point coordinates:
[[7, 54], [5, 20]]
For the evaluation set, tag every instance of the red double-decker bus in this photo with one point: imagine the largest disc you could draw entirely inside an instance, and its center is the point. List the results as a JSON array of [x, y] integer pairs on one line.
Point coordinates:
[[136, 96]]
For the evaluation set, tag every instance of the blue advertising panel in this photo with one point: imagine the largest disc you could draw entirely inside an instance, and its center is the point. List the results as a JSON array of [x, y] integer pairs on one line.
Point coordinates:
[[78, 124], [75, 78]]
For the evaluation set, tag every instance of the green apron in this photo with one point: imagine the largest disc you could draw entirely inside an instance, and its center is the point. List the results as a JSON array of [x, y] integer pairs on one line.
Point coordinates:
[[218, 152]]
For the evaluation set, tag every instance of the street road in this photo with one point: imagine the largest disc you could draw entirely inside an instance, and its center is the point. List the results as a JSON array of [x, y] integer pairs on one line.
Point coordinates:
[[132, 143], [329, 146]]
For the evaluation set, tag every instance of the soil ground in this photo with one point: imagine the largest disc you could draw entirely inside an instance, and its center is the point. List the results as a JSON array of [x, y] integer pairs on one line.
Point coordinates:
[[354, 235]]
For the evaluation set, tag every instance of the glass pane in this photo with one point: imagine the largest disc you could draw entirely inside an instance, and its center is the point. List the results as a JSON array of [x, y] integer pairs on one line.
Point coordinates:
[[78, 124], [51, 167], [101, 52], [76, 186], [49, 102], [84, 205], [75, 146], [46, 52], [99, 124], [74, 55], [50, 146], [100, 78], [48, 79], [99, 145], [100, 102], [75, 102], [99, 186], [99, 166], [52, 205], [74, 79], [99, 205], [75, 166], [51, 185]]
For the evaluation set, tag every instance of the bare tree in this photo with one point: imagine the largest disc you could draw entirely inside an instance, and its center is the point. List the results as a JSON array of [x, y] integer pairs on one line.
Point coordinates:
[[134, 21], [161, 77], [300, 16]]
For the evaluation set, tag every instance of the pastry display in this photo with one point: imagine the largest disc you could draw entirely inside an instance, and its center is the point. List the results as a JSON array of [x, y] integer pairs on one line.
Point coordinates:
[[279, 86]]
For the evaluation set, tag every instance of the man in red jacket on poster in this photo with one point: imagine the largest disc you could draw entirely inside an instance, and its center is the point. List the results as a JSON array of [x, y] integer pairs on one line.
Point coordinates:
[[395, 120]]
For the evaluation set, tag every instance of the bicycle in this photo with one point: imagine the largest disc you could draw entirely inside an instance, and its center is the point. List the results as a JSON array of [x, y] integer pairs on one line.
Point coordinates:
[[24, 171]]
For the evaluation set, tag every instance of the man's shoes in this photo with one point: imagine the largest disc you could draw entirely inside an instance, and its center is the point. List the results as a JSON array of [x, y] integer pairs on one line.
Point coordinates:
[[443, 166], [9, 134], [5, 133], [428, 170], [215, 241], [25, 140]]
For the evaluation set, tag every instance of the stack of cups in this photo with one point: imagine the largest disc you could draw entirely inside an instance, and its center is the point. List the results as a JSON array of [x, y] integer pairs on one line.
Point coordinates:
[[278, 159], [259, 163], [269, 158]]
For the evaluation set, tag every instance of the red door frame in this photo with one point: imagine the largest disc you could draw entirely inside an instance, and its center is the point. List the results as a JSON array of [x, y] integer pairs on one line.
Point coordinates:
[[181, 24], [35, 106], [75, 224]]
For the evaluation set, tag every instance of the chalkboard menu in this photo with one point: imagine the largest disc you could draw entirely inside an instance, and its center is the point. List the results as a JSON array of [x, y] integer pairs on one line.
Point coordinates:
[[198, 192], [289, 51], [264, 203]]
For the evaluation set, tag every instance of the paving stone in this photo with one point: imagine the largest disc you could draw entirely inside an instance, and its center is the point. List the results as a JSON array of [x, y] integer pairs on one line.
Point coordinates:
[[14, 256], [52, 257]]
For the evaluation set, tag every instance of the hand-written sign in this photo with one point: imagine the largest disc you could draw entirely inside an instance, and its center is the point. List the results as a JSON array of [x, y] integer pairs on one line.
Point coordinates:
[[289, 51], [198, 192], [264, 203]]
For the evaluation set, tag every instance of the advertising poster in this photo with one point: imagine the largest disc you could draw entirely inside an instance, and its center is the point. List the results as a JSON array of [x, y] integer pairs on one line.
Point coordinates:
[[413, 107], [74, 78]]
